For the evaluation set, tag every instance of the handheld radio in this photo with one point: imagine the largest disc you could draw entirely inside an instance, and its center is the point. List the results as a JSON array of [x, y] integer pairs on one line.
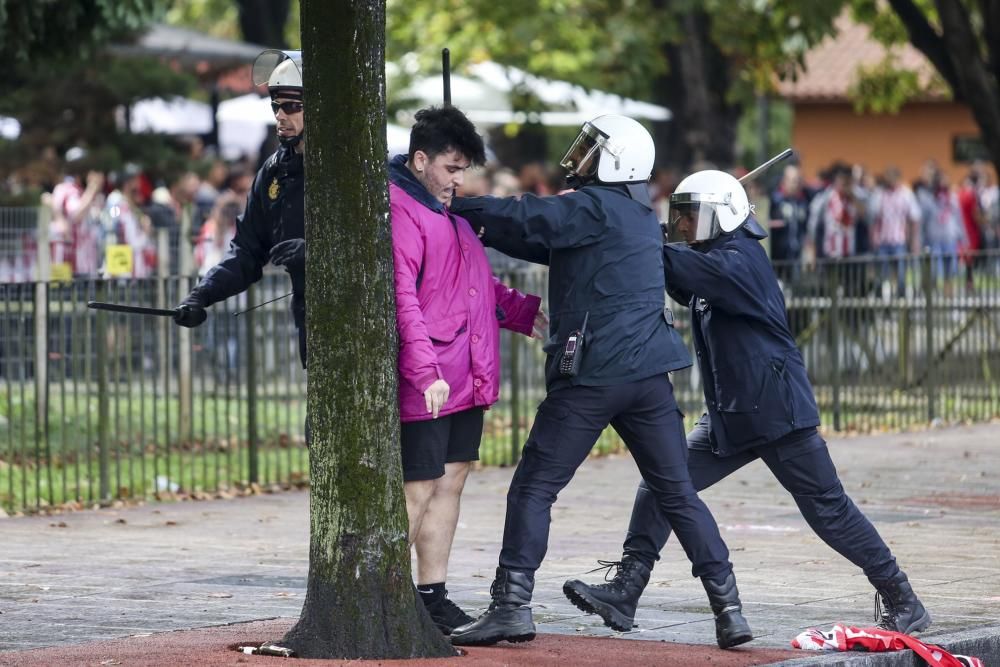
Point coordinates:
[[569, 365]]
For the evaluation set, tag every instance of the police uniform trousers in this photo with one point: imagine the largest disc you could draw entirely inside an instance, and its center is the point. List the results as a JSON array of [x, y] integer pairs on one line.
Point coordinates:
[[801, 462], [568, 424]]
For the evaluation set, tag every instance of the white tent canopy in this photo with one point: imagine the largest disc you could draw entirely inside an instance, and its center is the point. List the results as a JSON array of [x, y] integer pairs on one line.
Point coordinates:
[[177, 115], [484, 96], [246, 121]]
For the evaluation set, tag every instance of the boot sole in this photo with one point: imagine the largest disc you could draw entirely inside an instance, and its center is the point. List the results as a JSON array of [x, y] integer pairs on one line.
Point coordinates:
[[490, 641], [735, 641], [613, 618], [919, 625]]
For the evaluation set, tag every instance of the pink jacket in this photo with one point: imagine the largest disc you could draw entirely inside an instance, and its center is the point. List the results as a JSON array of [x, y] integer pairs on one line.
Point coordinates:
[[447, 308]]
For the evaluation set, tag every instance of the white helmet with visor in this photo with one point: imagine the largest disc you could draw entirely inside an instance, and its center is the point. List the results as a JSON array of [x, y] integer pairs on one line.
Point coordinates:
[[611, 149], [705, 205]]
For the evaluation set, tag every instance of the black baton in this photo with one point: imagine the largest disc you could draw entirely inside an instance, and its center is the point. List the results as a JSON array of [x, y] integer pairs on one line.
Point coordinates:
[[135, 310], [446, 75]]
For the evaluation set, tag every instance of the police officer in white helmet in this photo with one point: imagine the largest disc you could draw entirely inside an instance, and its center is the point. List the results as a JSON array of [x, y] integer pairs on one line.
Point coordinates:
[[272, 228], [610, 348], [759, 399]]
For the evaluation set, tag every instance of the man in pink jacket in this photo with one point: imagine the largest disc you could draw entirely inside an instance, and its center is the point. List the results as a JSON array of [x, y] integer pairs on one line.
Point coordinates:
[[449, 310]]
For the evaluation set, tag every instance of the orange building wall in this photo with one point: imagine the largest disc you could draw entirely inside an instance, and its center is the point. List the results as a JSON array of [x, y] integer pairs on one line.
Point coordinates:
[[824, 133]]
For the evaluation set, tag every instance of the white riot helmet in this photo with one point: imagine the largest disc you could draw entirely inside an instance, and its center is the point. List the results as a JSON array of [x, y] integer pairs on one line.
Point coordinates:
[[281, 71], [610, 149], [704, 205]]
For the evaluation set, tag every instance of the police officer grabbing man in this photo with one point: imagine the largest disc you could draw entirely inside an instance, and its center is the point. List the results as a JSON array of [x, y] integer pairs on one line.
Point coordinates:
[[272, 228], [760, 404], [610, 348]]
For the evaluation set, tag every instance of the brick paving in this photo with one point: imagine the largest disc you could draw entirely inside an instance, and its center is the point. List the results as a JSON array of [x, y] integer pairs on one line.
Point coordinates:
[[934, 496]]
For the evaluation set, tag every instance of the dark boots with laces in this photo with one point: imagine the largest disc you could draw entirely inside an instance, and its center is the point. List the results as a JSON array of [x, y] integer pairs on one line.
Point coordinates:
[[508, 617], [897, 608], [731, 629], [616, 600]]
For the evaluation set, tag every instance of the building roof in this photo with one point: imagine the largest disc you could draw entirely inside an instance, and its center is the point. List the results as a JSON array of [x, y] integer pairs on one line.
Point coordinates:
[[831, 66]]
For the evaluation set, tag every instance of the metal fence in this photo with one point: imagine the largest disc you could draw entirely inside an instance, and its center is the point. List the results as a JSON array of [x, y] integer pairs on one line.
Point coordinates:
[[96, 406]]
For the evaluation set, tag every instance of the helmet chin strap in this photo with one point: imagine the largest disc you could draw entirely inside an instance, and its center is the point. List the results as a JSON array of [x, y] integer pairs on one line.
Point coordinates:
[[290, 142]]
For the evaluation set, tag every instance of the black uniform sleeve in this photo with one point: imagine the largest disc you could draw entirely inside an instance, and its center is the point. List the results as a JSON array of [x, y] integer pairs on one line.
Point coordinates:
[[244, 264], [726, 277], [529, 223]]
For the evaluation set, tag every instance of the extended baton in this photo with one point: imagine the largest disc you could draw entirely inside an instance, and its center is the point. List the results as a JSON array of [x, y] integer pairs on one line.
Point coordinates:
[[135, 310], [278, 298], [446, 75], [750, 175]]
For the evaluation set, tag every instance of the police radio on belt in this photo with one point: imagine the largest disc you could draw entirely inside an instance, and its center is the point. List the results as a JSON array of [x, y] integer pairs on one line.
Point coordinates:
[[573, 350]]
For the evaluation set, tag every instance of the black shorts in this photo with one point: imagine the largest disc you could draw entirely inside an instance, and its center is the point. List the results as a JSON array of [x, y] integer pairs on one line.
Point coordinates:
[[428, 445]]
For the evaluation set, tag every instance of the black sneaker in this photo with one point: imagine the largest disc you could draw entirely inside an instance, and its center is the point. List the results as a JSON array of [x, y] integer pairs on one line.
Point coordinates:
[[447, 615]]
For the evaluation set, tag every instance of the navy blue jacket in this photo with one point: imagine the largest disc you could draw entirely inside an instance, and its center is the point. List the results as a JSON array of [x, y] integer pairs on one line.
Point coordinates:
[[755, 382], [604, 255], [274, 214]]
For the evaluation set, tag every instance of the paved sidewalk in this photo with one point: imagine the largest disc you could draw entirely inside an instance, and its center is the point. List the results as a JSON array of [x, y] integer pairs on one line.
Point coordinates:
[[934, 495]]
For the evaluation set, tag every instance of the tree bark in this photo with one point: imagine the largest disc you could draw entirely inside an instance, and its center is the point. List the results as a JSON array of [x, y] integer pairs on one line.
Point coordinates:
[[263, 21], [977, 80], [957, 56], [695, 89], [360, 599]]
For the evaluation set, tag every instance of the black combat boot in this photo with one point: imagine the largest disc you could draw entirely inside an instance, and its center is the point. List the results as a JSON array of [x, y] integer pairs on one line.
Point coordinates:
[[897, 608], [731, 629], [616, 600], [509, 616]]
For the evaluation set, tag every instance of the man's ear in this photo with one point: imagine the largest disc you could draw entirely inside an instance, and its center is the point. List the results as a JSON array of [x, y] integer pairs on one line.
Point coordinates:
[[419, 161]]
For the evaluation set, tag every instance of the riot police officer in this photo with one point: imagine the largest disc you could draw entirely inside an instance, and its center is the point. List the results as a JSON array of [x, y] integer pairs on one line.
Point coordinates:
[[760, 404], [610, 348], [272, 228]]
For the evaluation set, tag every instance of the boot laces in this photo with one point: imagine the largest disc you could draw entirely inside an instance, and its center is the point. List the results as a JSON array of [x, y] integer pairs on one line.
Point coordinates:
[[885, 612], [621, 575]]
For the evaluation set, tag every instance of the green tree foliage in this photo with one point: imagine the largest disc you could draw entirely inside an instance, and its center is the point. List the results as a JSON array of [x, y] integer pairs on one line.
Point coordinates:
[[704, 60], [34, 30]]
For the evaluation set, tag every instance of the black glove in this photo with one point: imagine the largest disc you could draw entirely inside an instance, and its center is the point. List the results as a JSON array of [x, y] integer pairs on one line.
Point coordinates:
[[290, 254], [191, 312]]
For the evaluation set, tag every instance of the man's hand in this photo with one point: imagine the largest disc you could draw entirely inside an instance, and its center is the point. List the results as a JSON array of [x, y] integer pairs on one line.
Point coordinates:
[[541, 327], [191, 312], [290, 254], [435, 396]]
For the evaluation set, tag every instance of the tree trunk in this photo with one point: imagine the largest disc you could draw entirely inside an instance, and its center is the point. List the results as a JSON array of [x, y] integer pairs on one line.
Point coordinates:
[[360, 599], [956, 54], [978, 82], [263, 21], [695, 89]]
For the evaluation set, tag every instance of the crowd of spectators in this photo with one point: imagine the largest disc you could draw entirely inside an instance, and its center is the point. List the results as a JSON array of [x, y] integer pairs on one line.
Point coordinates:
[[847, 212]]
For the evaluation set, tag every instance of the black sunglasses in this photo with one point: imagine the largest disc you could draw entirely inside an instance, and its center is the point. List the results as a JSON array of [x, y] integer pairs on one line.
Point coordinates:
[[288, 107]]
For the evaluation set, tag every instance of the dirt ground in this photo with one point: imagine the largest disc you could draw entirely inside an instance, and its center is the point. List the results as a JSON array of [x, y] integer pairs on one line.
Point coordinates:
[[213, 646]]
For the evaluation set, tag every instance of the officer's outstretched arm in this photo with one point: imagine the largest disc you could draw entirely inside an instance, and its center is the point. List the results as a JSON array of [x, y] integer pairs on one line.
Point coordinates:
[[725, 277], [564, 221]]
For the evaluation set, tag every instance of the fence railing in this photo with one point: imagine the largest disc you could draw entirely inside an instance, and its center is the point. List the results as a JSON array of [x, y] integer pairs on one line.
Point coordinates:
[[99, 406]]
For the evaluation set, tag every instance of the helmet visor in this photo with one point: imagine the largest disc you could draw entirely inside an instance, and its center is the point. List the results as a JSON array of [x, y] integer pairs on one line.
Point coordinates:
[[581, 158], [690, 220], [265, 63]]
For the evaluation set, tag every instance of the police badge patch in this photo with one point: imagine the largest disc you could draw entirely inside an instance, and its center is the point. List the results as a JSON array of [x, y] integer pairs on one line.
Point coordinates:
[[272, 190]]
